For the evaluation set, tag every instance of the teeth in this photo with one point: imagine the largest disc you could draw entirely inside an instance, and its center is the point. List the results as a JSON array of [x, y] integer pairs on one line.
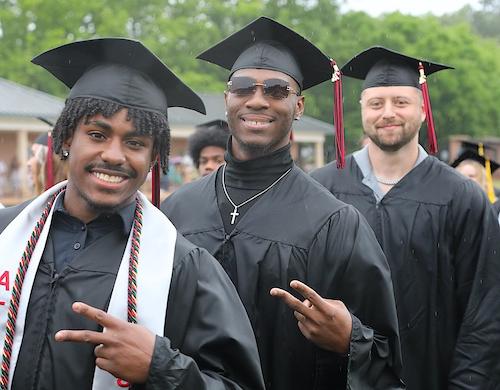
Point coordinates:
[[108, 178]]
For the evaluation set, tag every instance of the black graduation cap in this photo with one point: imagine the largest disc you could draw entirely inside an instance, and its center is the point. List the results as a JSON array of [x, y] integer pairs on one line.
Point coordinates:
[[119, 70], [267, 44], [472, 155], [382, 67], [215, 124], [476, 151], [42, 139]]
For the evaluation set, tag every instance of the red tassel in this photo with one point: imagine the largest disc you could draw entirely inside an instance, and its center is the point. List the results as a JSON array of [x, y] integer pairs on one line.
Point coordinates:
[[155, 183], [49, 167], [431, 131], [338, 116]]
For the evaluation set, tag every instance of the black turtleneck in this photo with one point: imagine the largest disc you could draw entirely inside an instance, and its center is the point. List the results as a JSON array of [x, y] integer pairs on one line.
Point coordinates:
[[244, 179]]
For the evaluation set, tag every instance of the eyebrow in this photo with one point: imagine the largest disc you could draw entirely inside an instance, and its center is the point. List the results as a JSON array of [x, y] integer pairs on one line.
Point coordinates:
[[107, 127]]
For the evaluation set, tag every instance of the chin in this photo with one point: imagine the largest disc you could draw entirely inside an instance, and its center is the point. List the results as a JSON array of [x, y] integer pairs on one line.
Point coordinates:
[[100, 205]]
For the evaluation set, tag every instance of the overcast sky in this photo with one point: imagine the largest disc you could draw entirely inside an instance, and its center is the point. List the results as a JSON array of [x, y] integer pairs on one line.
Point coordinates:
[[418, 7]]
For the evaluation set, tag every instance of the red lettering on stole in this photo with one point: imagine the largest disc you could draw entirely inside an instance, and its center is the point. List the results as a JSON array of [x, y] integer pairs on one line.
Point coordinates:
[[122, 383], [4, 281]]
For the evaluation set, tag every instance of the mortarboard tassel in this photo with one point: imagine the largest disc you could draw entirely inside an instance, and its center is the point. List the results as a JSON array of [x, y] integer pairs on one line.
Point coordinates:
[[338, 116], [155, 183], [431, 132], [49, 167], [490, 191]]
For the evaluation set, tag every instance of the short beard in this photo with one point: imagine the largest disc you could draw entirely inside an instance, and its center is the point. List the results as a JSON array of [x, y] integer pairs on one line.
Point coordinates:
[[102, 208], [259, 150], [390, 148], [256, 150], [393, 147]]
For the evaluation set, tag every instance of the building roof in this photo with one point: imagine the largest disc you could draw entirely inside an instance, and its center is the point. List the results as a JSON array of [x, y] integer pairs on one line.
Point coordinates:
[[22, 101], [19, 100], [214, 104]]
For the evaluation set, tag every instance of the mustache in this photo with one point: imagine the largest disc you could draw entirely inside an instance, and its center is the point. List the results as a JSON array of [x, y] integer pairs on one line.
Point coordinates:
[[388, 123], [112, 168]]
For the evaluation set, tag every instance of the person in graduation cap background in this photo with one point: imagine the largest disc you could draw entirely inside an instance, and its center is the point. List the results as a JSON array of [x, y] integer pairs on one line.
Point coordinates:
[[207, 146], [307, 267], [44, 172], [435, 227], [98, 290], [473, 163]]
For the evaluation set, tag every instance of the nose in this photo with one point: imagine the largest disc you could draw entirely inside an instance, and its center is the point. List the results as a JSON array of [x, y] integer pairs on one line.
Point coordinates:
[[258, 100], [388, 110], [211, 166], [113, 152]]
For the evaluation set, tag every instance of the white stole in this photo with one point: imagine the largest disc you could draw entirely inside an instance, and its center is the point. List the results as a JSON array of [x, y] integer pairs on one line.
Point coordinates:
[[154, 273]]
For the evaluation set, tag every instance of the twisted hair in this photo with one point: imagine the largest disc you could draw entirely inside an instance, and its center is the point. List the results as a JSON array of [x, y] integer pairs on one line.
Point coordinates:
[[84, 108]]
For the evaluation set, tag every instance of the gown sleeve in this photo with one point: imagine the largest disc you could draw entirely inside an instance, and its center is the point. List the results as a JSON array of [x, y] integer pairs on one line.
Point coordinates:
[[355, 271], [476, 362], [209, 341]]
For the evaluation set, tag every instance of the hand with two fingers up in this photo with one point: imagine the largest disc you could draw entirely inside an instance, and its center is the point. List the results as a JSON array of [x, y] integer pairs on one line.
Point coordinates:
[[123, 349], [325, 322]]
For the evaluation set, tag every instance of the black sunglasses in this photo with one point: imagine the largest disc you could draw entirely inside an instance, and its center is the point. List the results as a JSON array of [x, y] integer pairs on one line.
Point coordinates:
[[274, 88]]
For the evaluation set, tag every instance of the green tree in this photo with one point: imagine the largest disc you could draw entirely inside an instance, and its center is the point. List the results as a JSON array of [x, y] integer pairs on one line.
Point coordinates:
[[464, 100]]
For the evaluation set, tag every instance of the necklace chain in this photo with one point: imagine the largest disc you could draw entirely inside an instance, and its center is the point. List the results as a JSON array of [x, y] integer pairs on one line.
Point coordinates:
[[235, 213], [387, 182]]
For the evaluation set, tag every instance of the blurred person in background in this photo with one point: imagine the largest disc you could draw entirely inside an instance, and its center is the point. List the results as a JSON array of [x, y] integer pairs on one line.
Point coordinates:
[[207, 146], [473, 163], [45, 174]]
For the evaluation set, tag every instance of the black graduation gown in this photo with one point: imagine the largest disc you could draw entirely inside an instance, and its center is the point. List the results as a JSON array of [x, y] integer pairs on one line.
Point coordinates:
[[442, 241], [496, 207], [209, 342], [297, 230]]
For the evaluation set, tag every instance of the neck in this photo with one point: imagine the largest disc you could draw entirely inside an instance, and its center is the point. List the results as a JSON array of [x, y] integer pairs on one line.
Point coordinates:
[[393, 165], [84, 214], [244, 152], [259, 172]]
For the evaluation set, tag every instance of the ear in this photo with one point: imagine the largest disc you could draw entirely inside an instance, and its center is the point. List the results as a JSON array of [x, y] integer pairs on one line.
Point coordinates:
[[154, 160], [423, 116], [66, 145], [299, 106], [225, 98]]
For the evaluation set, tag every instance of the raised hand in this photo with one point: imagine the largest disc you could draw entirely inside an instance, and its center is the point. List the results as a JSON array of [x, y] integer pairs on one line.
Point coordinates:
[[123, 349], [325, 322]]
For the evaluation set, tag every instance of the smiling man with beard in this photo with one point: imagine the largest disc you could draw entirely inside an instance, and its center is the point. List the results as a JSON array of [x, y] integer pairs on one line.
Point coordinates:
[[308, 269], [436, 228], [98, 290]]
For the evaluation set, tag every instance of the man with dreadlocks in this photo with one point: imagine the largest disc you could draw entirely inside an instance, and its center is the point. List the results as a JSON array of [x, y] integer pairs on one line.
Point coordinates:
[[207, 146], [97, 289]]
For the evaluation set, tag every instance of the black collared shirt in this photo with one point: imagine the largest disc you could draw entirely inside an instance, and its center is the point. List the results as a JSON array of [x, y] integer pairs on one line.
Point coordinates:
[[69, 235]]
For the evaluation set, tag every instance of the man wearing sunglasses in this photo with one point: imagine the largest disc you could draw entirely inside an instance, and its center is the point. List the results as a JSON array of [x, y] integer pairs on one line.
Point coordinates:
[[277, 232]]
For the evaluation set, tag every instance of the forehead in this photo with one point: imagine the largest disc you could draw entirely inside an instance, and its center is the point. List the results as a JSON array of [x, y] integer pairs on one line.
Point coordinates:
[[212, 150], [390, 92], [119, 121], [263, 74]]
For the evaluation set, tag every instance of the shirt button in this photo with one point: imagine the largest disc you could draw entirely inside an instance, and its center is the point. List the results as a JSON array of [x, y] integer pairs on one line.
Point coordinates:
[[76, 246], [83, 228]]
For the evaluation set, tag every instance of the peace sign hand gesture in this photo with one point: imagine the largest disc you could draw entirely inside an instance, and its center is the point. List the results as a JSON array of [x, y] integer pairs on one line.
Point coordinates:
[[325, 322], [123, 349]]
